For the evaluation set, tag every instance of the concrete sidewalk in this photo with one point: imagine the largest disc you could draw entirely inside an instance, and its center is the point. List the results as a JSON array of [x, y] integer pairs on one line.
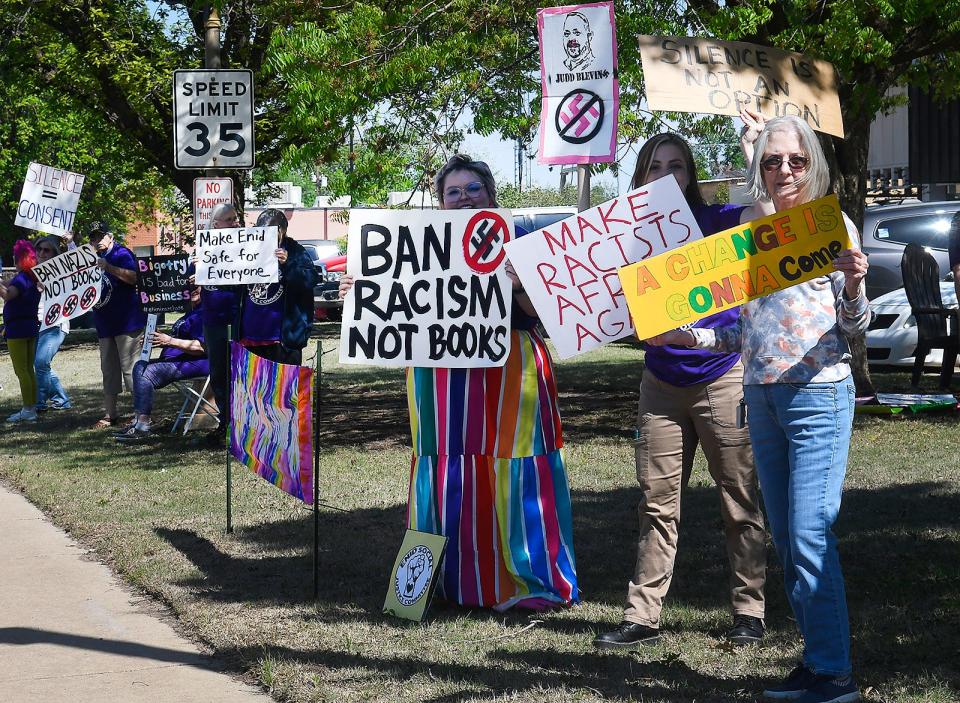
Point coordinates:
[[71, 631]]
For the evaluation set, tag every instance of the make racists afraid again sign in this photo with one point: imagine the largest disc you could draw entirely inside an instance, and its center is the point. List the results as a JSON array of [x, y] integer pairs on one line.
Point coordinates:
[[569, 269], [578, 77], [430, 288]]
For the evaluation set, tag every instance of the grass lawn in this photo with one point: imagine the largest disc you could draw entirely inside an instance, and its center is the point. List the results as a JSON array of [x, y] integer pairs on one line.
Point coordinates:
[[156, 514]]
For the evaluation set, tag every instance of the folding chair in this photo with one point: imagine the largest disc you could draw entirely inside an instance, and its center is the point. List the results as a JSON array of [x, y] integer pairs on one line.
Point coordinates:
[[188, 387]]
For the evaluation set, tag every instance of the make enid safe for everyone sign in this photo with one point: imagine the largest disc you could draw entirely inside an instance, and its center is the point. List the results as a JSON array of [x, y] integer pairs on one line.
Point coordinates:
[[237, 256], [734, 266], [578, 77], [569, 269], [48, 201], [163, 283], [430, 288], [71, 285], [271, 421], [414, 575], [692, 74]]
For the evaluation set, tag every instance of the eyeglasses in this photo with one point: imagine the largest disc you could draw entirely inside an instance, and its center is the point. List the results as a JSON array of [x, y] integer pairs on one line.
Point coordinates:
[[795, 162], [471, 190]]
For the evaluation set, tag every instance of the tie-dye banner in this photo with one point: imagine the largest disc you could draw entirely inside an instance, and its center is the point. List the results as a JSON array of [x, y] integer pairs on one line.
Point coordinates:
[[271, 427]]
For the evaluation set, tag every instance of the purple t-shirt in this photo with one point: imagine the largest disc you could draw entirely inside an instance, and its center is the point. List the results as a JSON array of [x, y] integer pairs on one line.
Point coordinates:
[[118, 311], [190, 326], [262, 313], [219, 305], [682, 366], [20, 314]]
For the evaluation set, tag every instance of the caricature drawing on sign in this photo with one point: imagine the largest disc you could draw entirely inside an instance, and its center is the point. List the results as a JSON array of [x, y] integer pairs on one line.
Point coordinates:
[[576, 42]]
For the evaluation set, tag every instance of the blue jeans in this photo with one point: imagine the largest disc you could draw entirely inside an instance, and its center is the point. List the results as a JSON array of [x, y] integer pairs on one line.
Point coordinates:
[[48, 385], [801, 437], [150, 375]]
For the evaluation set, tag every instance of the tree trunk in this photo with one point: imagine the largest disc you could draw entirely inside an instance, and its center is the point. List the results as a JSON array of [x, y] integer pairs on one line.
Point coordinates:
[[848, 163]]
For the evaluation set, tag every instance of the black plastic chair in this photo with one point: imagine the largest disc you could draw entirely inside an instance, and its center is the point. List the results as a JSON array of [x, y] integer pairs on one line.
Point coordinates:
[[921, 282]]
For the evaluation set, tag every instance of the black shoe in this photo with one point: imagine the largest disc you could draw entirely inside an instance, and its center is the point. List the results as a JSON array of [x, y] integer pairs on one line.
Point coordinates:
[[792, 687], [628, 635], [746, 630], [134, 434]]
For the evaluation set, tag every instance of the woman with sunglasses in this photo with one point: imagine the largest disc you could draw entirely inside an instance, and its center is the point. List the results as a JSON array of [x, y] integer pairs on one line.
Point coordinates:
[[50, 392], [800, 399], [690, 397], [487, 468]]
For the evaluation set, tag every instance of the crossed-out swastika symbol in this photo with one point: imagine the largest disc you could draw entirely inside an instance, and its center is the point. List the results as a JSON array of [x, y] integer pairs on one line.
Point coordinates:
[[579, 116]]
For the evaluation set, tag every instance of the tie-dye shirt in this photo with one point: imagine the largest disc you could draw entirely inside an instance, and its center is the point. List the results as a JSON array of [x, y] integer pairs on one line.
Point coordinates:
[[796, 335]]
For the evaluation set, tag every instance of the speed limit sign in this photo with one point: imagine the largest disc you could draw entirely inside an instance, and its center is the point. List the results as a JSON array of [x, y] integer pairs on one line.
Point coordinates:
[[213, 118]]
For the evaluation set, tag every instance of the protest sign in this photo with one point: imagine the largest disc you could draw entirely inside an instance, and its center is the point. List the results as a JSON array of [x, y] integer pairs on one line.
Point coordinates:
[[147, 347], [163, 283], [578, 78], [48, 201], [271, 421], [207, 194], [734, 266], [430, 288], [688, 74], [414, 575], [71, 285], [569, 269], [237, 256]]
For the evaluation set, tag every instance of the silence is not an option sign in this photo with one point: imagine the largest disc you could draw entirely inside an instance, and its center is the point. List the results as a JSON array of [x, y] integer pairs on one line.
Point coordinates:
[[430, 288]]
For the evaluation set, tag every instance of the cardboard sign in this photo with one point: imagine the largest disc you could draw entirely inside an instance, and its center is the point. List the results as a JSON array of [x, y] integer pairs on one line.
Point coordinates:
[[734, 266], [414, 575], [687, 74], [578, 77], [71, 285], [148, 337], [569, 269], [430, 288], [207, 194], [237, 256], [163, 283], [48, 201]]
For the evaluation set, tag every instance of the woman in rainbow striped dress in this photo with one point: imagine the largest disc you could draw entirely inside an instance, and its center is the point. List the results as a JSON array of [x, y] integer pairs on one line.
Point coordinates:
[[487, 467]]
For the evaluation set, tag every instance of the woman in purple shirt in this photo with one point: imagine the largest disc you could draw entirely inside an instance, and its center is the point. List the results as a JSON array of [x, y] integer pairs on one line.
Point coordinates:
[[690, 397], [21, 302]]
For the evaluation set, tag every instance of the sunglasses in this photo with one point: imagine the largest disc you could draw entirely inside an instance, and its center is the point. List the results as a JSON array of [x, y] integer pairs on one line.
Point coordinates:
[[795, 162], [471, 190]]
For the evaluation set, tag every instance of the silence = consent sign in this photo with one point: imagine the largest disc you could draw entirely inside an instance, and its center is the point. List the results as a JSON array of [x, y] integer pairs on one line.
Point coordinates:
[[71, 285], [569, 269], [240, 256], [430, 288], [687, 74], [734, 266], [48, 201]]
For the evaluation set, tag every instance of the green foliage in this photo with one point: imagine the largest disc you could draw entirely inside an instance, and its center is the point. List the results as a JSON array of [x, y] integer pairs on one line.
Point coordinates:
[[508, 195]]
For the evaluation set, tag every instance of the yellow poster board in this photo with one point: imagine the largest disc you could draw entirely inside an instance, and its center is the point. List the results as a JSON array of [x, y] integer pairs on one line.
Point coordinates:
[[731, 267], [414, 575]]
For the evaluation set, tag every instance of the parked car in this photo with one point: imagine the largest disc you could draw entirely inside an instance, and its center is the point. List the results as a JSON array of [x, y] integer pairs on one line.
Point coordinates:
[[534, 218], [892, 334], [887, 229], [326, 301]]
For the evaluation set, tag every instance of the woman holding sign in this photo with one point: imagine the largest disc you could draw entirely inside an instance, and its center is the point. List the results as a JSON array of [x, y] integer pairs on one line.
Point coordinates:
[[487, 467], [50, 392], [800, 399], [21, 325], [690, 397]]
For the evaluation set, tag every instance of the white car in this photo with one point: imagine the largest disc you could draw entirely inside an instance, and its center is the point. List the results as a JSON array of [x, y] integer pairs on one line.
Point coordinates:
[[892, 335]]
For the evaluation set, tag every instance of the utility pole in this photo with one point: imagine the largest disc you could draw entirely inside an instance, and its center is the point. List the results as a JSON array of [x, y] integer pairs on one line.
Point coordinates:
[[583, 187]]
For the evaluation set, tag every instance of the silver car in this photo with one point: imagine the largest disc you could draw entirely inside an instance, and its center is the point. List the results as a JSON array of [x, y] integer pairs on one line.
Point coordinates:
[[892, 335], [887, 229]]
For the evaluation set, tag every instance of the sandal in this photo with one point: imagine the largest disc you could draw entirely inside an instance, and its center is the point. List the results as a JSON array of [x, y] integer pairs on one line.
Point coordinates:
[[105, 422]]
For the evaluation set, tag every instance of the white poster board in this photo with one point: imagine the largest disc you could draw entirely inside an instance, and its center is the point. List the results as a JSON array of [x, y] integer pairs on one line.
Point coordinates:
[[430, 288], [245, 255], [569, 269], [48, 201], [207, 194], [148, 337], [578, 79], [71, 285]]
